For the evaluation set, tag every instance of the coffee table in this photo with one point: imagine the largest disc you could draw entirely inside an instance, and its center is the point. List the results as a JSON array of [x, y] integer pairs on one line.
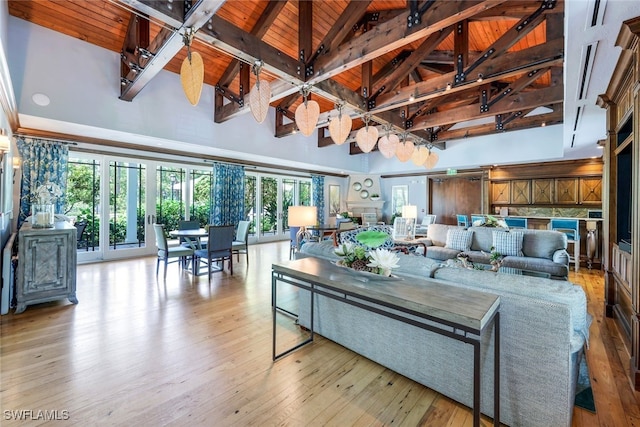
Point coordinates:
[[417, 302]]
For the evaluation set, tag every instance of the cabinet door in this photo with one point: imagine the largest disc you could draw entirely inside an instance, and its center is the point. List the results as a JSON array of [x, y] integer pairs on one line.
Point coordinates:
[[521, 191], [46, 261], [500, 192], [567, 190], [542, 192], [591, 191]]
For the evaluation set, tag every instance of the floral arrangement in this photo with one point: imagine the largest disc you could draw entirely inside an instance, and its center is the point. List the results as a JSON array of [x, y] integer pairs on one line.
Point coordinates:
[[377, 261], [492, 221], [47, 193]]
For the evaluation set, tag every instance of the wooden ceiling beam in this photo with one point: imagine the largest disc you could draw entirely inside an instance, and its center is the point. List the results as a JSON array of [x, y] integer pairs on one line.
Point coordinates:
[[268, 16], [393, 79], [507, 65], [167, 43], [395, 34], [508, 104]]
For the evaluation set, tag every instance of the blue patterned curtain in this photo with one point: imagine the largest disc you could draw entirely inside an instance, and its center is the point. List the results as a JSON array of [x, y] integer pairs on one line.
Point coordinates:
[[43, 162], [317, 184], [227, 194]]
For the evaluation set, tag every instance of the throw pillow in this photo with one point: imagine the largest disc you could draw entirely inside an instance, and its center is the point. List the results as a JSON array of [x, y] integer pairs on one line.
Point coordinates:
[[459, 239], [508, 243]]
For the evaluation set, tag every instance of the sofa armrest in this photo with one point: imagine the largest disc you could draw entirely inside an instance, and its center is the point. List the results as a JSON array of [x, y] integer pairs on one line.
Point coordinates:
[[561, 256]]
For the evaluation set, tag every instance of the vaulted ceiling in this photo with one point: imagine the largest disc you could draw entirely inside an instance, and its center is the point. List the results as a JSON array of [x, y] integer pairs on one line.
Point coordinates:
[[435, 70]]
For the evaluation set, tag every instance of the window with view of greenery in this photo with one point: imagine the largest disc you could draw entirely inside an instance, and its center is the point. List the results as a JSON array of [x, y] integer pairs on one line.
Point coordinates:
[[83, 199]]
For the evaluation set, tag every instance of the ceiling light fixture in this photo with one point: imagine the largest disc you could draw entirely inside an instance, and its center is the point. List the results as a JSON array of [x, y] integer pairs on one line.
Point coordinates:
[[307, 113], [448, 86], [480, 78], [192, 70], [340, 127], [260, 94], [367, 136]]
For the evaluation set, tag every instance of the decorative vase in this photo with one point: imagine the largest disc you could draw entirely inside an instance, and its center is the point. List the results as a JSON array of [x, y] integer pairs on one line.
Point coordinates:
[[42, 216]]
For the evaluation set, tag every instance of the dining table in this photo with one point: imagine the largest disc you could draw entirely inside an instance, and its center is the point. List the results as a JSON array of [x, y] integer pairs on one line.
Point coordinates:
[[193, 237]]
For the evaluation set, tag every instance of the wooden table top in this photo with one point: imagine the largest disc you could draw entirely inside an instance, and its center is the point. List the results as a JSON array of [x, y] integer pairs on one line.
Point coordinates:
[[464, 307]]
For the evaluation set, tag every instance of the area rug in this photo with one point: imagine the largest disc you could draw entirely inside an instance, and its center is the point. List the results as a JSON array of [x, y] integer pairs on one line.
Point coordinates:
[[584, 394]]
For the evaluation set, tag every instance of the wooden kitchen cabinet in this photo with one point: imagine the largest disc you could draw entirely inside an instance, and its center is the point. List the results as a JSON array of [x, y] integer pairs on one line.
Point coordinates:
[[591, 191], [542, 191], [500, 192], [566, 191], [521, 192], [46, 264]]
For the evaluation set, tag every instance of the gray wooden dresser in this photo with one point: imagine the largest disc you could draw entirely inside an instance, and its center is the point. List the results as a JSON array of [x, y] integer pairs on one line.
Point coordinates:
[[46, 264]]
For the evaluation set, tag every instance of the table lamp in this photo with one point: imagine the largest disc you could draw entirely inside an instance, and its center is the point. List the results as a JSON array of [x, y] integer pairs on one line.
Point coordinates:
[[302, 216], [410, 213]]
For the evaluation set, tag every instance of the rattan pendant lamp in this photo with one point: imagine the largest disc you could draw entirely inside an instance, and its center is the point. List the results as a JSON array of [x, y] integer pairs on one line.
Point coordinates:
[[367, 136], [388, 143], [191, 71], [432, 159], [260, 95], [340, 126], [405, 149], [307, 113]]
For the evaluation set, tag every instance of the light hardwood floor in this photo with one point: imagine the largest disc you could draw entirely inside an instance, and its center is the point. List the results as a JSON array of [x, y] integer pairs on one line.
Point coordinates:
[[139, 352]]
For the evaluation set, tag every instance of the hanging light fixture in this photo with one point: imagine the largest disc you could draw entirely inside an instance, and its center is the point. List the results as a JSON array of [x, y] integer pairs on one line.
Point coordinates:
[[192, 70], [420, 155], [367, 136], [260, 95], [340, 127], [307, 113], [432, 159], [388, 143], [405, 149]]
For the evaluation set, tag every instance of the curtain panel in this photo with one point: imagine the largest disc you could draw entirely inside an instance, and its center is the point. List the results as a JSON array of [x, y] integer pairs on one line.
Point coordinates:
[[317, 184], [44, 162], [227, 194]]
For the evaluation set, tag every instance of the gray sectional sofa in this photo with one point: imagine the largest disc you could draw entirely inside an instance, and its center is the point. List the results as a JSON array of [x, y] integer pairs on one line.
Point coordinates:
[[544, 326], [543, 251]]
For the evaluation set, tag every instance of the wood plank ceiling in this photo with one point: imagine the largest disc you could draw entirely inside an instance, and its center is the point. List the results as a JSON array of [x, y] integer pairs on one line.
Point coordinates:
[[426, 68]]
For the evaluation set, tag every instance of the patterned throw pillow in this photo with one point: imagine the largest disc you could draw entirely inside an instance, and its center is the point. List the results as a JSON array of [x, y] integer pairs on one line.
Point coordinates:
[[508, 243], [458, 239]]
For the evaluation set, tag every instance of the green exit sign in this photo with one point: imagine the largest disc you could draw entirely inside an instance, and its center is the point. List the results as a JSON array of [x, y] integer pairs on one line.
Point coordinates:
[[452, 171]]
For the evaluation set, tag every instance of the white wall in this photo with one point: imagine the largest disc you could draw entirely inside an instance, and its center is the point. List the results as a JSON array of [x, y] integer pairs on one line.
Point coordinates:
[[82, 81]]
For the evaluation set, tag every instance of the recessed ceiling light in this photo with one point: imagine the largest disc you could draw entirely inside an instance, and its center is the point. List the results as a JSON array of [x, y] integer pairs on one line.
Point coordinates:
[[41, 99]]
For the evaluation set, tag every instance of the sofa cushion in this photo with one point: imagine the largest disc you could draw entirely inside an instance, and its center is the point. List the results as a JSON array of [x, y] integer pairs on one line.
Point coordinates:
[[543, 243], [459, 239], [508, 243], [541, 265], [483, 238], [437, 233], [440, 253]]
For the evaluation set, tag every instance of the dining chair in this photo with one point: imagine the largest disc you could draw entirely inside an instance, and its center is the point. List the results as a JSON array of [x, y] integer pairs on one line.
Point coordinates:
[[463, 220], [240, 244], [189, 225], [516, 222], [165, 252], [80, 228], [571, 228], [477, 219], [219, 249]]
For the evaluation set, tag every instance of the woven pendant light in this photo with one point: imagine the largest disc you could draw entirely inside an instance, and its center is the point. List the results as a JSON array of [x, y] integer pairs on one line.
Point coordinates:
[[432, 159], [419, 155], [307, 113], [260, 95], [367, 136], [388, 145], [340, 126], [192, 72], [404, 151]]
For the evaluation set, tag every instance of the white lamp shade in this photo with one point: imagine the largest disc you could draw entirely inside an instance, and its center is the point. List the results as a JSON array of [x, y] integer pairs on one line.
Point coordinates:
[[409, 211], [259, 98], [302, 216], [404, 151], [339, 128], [367, 138], [307, 115], [388, 145]]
